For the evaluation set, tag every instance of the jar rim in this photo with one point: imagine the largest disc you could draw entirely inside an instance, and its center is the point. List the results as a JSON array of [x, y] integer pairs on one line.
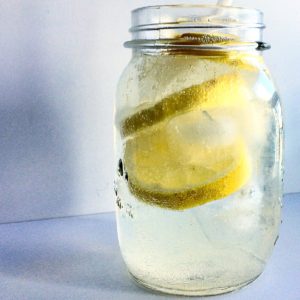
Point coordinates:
[[193, 16], [190, 5]]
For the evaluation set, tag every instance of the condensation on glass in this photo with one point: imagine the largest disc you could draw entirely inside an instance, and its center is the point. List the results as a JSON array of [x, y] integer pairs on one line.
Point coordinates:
[[198, 150]]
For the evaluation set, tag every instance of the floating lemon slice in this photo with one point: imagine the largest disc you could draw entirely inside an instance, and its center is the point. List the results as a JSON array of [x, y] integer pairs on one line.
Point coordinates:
[[244, 61], [226, 90], [186, 150], [206, 38]]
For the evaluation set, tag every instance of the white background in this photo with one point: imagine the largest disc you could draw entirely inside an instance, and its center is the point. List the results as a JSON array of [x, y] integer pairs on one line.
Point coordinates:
[[59, 65]]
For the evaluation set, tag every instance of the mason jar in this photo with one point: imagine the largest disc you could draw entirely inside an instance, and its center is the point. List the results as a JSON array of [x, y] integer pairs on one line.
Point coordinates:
[[198, 150]]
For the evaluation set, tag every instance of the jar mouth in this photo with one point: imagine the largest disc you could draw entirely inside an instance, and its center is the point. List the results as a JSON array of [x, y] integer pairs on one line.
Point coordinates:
[[194, 16], [162, 25]]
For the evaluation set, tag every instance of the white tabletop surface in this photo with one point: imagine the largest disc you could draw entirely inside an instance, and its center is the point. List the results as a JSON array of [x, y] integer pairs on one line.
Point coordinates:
[[79, 258]]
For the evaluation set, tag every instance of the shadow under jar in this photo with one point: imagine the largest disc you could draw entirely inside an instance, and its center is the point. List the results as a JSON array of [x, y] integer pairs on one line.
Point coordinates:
[[198, 150]]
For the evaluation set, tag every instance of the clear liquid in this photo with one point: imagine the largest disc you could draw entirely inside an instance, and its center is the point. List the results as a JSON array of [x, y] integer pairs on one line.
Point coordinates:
[[219, 246]]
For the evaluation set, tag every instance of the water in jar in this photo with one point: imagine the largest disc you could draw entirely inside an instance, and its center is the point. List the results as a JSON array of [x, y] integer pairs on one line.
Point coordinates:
[[198, 159]]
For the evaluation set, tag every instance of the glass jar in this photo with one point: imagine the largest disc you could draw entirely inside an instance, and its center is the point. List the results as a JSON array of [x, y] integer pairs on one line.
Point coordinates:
[[198, 150]]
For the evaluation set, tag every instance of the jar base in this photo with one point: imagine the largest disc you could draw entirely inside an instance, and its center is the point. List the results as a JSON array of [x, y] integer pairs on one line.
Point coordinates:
[[180, 292]]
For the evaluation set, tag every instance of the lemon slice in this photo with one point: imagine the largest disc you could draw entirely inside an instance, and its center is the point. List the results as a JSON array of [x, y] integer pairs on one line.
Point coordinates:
[[226, 90], [169, 169], [206, 38], [244, 61], [187, 149]]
